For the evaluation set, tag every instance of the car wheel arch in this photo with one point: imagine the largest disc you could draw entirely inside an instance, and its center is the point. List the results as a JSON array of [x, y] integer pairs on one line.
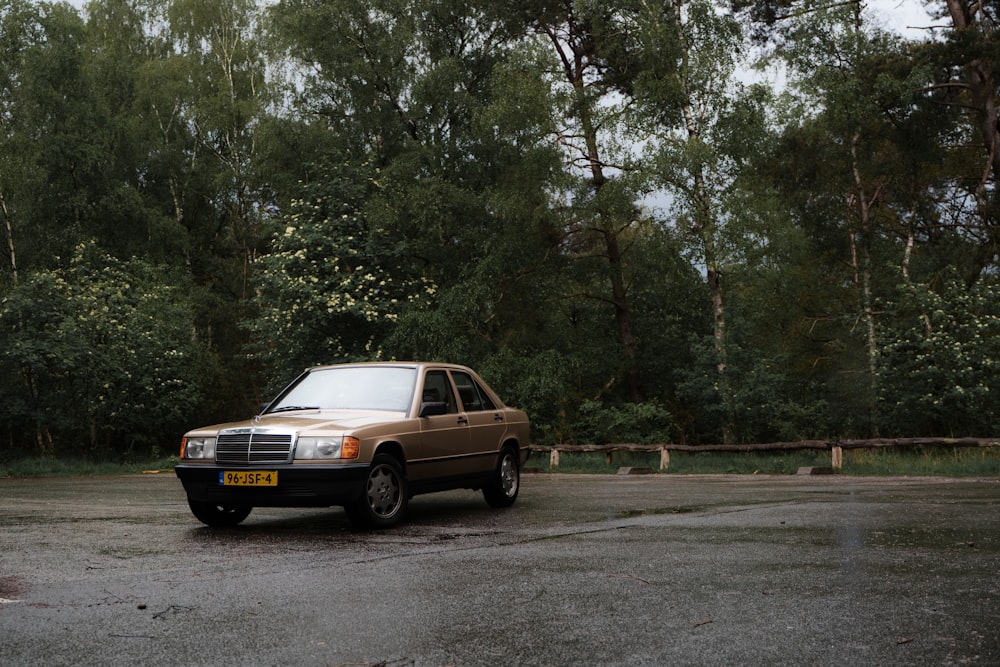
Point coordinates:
[[510, 443], [393, 449]]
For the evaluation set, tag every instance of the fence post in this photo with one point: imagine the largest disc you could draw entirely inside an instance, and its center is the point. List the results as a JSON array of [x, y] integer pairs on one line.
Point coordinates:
[[554, 458], [836, 457], [664, 458]]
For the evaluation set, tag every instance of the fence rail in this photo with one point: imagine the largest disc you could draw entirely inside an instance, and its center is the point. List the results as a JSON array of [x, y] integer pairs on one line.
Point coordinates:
[[835, 447]]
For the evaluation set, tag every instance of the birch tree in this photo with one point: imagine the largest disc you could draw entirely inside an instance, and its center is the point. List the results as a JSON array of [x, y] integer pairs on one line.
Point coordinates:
[[863, 109], [684, 57]]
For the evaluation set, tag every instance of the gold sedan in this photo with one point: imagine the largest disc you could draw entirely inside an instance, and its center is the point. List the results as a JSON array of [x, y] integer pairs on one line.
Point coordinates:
[[367, 437]]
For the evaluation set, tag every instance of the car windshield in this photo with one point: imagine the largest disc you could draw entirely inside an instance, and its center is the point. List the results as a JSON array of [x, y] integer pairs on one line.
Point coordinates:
[[351, 388]]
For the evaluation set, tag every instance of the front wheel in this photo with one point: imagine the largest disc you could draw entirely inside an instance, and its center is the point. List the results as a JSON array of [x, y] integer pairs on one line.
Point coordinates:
[[384, 499], [219, 515], [501, 491]]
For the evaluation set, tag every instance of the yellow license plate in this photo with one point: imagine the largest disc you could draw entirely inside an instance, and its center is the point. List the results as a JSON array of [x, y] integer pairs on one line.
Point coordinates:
[[248, 478]]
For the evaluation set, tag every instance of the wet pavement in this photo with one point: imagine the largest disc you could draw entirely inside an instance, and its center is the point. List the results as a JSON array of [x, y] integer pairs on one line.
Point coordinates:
[[583, 570]]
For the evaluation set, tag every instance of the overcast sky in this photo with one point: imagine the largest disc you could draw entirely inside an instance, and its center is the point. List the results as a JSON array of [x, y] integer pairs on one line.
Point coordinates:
[[907, 16]]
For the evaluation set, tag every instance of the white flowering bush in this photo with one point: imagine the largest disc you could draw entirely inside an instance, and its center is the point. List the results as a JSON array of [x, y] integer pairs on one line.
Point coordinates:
[[333, 285], [940, 361]]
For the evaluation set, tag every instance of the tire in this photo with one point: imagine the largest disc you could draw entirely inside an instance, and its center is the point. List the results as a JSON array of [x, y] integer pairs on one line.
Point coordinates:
[[384, 498], [219, 515], [502, 489]]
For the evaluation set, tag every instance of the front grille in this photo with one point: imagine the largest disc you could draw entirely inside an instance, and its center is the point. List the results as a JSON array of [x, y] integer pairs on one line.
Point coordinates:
[[253, 446]]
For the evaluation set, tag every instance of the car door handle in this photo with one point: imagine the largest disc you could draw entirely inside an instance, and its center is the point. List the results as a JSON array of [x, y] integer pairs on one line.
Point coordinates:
[[463, 420], [498, 418]]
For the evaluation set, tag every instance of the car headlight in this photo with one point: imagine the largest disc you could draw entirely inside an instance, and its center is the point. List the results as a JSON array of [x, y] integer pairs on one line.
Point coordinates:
[[314, 448], [198, 448]]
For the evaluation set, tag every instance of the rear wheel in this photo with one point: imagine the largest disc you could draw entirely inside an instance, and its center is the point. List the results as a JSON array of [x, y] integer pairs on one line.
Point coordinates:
[[384, 499], [219, 515], [506, 481]]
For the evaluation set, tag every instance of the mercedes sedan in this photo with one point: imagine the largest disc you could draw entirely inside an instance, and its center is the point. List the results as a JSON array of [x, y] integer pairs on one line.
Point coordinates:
[[367, 437]]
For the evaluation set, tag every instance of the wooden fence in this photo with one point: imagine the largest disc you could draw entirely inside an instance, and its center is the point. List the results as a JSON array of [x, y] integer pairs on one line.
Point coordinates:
[[835, 447]]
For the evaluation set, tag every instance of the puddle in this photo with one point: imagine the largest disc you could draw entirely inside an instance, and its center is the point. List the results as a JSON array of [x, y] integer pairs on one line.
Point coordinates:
[[12, 587]]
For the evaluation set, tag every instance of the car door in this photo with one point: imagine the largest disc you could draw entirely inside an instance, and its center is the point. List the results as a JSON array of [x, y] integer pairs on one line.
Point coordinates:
[[444, 438], [487, 424]]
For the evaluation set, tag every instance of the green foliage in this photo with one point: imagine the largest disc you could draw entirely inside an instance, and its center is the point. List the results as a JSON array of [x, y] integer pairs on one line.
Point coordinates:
[[762, 401], [199, 198], [640, 423], [938, 371], [100, 357], [331, 289]]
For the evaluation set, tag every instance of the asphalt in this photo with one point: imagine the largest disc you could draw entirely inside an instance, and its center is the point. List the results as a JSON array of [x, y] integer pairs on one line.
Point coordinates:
[[583, 570]]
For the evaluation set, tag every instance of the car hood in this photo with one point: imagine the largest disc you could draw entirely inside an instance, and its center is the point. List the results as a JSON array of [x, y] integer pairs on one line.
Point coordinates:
[[308, 420]]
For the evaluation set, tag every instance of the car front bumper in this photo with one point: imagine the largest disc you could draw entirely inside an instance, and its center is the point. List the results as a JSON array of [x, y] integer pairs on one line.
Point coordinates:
[[299, 485]]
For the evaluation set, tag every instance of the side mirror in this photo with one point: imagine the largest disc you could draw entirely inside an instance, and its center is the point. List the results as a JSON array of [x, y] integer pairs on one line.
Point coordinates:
[[433, 408]]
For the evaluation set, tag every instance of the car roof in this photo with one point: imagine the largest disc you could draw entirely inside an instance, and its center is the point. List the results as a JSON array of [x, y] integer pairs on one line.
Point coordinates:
[[395, 364]]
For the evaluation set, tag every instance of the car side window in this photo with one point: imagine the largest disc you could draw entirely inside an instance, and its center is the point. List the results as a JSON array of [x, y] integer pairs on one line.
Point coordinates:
[[488, 403], [473, 398], [437, 389]]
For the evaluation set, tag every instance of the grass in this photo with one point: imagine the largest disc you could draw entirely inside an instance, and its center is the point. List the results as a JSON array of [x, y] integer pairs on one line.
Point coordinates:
[[951, 462], [54, 467]]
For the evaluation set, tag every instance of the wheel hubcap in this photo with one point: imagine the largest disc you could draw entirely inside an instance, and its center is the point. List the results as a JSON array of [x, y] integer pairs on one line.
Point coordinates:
[[508, 476], [383, 492]]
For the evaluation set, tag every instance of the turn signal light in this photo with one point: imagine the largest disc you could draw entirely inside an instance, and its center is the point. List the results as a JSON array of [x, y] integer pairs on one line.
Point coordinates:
[[351, 448]]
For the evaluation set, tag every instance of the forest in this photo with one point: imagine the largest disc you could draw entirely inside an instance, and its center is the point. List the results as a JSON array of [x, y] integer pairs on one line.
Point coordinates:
[[685, 221]]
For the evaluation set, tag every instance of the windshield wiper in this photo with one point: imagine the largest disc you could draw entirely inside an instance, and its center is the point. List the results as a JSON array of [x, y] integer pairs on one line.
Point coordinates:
[[289, 408]]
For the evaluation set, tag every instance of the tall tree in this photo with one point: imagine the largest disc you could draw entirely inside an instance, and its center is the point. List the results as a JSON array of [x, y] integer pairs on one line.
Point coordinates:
[[972, 77], [429, 94], [864, 121], [602, 209], [210, 94], [46, 123], [679, 61], [203, 92]]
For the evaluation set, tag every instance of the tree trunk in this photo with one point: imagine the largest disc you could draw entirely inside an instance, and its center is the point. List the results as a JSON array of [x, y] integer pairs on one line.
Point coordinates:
[[705, 227], [623, 318], [9, 226], [981, 85], [861, 256]]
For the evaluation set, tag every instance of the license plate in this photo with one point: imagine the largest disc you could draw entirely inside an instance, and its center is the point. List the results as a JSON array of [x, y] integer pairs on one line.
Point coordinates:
[[248, 478]]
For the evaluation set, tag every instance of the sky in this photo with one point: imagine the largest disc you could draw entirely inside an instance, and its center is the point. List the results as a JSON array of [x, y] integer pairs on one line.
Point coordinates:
[[908, 17]]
